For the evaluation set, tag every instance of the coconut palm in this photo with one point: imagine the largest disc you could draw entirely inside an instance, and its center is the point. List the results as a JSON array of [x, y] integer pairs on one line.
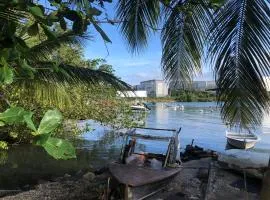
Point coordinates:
[[23, 21], [233, 33]]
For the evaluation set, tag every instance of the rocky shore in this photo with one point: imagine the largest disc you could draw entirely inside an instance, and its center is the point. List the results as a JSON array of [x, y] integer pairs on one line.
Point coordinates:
[[81, 186], [194, 182]]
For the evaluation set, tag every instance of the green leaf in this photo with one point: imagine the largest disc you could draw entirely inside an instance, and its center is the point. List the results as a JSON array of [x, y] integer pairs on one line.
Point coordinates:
[[53, 16], [28, 69], [51, 120], [102, 33], [3, 145], [72, 15], [48, 32], [13, 115], [2, 123], [36, 11], [41, 139], [93, 11], [6, 75], [28, 120], [33, 29], [63, 23], [59, 148]]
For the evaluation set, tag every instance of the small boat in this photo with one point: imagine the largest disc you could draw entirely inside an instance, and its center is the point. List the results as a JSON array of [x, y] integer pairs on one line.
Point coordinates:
[[242, 140], [140, 107], [139, 175]]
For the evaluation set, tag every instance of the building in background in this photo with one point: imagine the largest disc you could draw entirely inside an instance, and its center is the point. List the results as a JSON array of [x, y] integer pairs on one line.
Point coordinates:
[[154, 88]]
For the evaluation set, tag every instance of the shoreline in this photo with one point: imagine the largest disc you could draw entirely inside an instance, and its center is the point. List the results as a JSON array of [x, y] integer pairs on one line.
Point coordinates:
[[195, 181]]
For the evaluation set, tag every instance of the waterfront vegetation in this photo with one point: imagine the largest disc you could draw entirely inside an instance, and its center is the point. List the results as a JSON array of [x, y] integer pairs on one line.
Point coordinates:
[[45, 81], [45, 78], [43, 73], [181, 96]]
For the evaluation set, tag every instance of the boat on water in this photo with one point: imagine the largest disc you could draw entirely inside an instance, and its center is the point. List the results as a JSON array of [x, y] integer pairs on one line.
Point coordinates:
[[241, 140], [140, 107], [139, 175]]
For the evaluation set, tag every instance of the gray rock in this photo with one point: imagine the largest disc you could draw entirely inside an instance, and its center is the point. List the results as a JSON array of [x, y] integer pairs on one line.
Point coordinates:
[[67, 176], [89, 176]]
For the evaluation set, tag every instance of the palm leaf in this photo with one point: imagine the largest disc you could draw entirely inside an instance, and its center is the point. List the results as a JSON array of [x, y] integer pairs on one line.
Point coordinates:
[[239, 50], [44, 49], [68, 74], [183, 41], [137, 17]]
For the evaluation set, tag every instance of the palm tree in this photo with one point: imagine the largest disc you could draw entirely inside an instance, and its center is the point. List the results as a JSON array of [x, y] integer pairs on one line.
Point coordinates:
[[234, 34], [28, 45]]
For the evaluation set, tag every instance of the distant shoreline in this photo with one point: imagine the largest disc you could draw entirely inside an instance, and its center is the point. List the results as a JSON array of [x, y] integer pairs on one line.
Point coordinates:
[[181, 96]]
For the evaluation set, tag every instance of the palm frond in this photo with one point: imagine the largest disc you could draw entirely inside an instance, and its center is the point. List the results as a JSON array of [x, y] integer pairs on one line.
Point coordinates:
[[42, 93], [137, 17], [239, 49], [183, 41], [45, 48], [68, 74]]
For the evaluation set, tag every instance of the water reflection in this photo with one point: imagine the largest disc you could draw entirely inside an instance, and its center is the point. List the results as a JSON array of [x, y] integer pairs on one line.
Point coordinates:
[[200, 121]]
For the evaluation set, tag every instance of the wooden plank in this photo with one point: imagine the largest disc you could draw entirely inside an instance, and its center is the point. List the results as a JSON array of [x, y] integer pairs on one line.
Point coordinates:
[[158, 129], [137, 176], [148, 137]]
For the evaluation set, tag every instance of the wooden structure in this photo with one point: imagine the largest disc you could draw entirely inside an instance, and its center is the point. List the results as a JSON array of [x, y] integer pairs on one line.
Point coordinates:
[[141, 181]]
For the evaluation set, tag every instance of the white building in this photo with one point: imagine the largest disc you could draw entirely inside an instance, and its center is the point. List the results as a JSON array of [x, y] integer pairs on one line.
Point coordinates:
[[154, 88]]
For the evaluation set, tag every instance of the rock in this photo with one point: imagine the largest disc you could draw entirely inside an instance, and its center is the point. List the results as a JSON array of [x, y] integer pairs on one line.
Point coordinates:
[[237, 159], [67, 176], [79, 173], [89, 176], [202, 174]]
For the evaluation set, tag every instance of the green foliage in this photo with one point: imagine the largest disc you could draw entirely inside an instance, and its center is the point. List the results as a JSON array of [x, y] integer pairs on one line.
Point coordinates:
[[57, 148], [3, 145], [192, 96], [31, 34], [51, 120]]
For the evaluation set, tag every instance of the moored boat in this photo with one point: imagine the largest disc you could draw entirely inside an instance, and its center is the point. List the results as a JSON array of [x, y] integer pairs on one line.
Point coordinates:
[[241, 140], [140, 174]]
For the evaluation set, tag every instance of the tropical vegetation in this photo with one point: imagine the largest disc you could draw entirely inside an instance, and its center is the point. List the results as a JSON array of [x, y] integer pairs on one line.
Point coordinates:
[[35, 74], [231, 35]]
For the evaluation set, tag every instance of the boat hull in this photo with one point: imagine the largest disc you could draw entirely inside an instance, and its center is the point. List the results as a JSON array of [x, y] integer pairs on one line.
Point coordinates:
[[241, 144]]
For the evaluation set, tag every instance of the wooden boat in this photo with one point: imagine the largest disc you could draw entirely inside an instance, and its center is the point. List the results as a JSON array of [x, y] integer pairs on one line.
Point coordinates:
[[241, 141], [138, 181]]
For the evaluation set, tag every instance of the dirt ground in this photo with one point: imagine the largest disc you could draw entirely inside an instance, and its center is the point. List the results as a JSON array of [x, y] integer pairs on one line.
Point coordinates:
[[191, 183], [195, 184]]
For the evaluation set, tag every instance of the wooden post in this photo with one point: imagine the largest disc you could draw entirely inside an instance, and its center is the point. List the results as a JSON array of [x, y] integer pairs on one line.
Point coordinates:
[[265, 193]]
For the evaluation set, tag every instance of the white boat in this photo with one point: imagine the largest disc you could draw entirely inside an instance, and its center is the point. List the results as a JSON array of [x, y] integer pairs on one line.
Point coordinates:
[[241, 140], [140, 107]]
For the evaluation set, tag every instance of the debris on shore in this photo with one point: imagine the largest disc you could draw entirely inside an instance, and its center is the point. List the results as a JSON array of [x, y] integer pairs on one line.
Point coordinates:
[[81, 186], [202, 177]]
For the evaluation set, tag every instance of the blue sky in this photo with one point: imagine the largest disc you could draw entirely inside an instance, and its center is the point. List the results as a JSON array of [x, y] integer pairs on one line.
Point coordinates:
[[129, 67]]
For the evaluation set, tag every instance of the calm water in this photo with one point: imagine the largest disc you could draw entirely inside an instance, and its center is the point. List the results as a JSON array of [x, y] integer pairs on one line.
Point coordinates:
[[199, 121]]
